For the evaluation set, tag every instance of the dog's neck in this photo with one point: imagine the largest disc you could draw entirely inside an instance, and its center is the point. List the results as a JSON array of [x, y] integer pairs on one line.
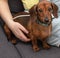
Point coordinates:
[[42, 23]]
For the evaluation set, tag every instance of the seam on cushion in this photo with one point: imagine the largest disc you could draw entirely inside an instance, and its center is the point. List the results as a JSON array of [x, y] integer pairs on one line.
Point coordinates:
[[18, 51]]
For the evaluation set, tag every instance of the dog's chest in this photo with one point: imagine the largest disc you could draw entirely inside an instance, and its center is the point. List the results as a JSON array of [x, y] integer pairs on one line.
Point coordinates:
[[45, 33], [41, 31]]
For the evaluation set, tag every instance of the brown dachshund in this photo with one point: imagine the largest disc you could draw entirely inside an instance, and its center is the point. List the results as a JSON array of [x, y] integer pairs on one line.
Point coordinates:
[[39, 23]]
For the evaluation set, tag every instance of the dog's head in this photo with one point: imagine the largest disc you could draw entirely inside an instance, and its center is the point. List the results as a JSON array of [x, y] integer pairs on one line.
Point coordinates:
[[43, 11]]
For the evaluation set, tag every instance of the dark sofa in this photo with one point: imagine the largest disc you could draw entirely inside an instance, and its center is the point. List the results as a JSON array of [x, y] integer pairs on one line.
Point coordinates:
[[22, 50]]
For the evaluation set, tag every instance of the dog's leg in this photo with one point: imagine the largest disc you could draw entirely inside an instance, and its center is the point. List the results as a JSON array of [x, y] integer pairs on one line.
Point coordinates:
[[9, 35], [45, 45], [34, 44]]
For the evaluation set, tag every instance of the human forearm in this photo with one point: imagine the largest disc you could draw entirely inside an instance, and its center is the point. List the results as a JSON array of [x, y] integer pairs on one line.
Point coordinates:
[[5, 12], [15, 27]]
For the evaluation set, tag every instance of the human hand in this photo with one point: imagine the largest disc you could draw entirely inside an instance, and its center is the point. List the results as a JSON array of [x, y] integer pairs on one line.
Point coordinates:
[[17, 29]]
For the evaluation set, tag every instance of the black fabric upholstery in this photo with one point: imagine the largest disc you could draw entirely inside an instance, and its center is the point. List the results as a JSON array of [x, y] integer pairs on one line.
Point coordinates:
[[16, 5]]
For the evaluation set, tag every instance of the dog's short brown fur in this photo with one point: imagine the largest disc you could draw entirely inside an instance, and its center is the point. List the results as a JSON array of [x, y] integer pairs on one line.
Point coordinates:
[[39, 23]]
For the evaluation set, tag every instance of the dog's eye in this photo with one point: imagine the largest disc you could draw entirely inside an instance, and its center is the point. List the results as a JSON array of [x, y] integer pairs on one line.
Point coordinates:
[[49, 9], [40, 10]]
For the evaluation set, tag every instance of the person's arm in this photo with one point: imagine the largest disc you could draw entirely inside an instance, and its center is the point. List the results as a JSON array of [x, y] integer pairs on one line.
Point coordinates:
[[8, 19]]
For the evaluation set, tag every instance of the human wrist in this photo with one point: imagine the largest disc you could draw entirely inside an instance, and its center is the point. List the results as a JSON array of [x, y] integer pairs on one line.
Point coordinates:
[[9, 22]]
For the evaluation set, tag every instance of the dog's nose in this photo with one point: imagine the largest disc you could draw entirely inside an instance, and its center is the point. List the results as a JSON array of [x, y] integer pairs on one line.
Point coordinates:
[[46, 19]]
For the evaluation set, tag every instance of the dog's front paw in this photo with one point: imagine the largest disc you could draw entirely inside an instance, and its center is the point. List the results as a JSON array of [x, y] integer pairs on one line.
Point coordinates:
[[36, 48]]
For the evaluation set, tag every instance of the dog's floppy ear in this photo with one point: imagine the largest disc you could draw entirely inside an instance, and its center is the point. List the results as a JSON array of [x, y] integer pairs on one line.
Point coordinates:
[[33, 11], [55, 10]]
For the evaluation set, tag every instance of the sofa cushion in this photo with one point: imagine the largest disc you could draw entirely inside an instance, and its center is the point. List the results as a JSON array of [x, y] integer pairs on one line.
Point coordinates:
[[7, 50], [27, 52]]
